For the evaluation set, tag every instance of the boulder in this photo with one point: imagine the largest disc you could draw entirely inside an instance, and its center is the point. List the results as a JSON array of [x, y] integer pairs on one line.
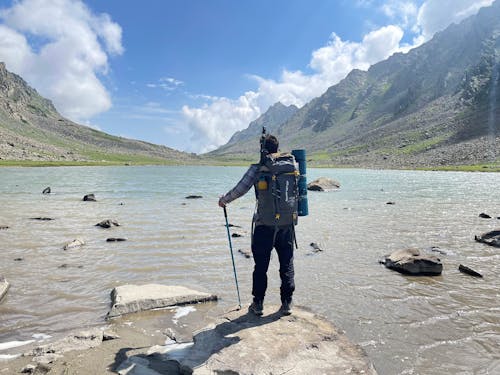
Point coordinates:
[[89, 198], [241, 343], [126, 299], [108, 223], [490, 238], [323, 184], [412, 262], [75, 243], [4, 287]]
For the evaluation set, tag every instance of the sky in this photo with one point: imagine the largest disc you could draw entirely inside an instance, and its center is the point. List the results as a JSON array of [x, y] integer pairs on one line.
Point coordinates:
[[188, 74]]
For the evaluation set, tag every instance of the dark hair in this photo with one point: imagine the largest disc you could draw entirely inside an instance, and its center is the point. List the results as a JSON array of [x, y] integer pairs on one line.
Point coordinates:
[[271, 143]]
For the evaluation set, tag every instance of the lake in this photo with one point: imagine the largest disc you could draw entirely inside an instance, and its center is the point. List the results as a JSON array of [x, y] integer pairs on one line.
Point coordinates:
[[448, 324]]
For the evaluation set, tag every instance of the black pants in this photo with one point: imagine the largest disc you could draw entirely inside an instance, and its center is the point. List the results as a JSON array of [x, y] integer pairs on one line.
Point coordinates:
[[262, 245]]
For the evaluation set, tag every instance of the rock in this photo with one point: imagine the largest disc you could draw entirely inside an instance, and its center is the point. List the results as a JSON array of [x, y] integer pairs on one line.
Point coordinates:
[[315, 246], [390, 202], [241, 343], [37, 369], [484, 216], [18, 259], [75, 243], [412, 262], [323, 184], [246, 253], [468, 271], [89, 198], [78, 341], [490, 238], [41, 218], [4, 287], [236, 235], [194, 197], [115, 239], [46, 190], [2, 227], [108, 223], [109, 334], [126, 299]]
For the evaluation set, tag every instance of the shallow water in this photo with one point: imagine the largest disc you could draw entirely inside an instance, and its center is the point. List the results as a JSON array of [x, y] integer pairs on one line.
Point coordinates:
[[408, 325]]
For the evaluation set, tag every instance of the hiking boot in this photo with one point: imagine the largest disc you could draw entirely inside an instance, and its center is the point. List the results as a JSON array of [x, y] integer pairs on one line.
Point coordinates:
[[257, 307], [286, 307]]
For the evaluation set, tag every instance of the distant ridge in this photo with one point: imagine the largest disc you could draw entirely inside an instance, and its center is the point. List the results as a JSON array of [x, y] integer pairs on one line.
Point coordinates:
[[31, 129], [437, 105]]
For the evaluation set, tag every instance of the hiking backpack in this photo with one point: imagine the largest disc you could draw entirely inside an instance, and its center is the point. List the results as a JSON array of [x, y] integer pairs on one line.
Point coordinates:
[[277, 190]]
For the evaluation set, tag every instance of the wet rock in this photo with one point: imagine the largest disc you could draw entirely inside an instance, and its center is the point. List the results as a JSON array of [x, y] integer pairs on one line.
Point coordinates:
[[241, 343], [73, 244], [108, 223], [115, 239], [323, 184], [89, 198], [18, 259], [46, 190], [4, 287], [194, 197], [233, 225], [127, 299], [41, 218], [482, 215], [390, 202], [469, 271], [109, 334], [83, 340], [245, 252], [2, 227], [412, 262], [315, 246], [237, 234], [38, 369], [490, 238]]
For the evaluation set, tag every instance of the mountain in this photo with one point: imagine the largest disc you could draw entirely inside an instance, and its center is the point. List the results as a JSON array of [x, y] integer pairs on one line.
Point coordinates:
[[32, 129], [438, 104], [247, 140]]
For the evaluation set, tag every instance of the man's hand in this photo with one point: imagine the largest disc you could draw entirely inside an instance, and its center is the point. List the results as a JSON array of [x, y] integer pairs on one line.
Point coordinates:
[[221, 203]]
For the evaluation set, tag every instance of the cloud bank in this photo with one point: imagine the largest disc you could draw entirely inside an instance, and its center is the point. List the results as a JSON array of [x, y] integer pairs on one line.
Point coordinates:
[[61, 47], [213, 124]]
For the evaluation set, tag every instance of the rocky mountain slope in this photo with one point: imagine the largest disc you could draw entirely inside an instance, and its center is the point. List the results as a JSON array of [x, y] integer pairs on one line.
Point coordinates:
[[32, 129], [438, 104]]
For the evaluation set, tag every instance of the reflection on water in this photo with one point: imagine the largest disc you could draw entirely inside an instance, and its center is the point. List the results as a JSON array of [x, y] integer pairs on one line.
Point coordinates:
[[408, 325]]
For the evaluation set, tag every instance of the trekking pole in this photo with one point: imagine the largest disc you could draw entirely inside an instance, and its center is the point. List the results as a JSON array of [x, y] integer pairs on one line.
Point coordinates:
[[232, 257]]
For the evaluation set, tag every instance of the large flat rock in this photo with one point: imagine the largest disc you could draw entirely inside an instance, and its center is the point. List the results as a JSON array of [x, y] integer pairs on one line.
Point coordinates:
[[241, 343], [126, 299], [4, 287]]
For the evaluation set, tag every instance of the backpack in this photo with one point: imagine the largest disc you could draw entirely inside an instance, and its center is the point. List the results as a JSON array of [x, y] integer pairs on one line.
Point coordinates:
[[277, 190]]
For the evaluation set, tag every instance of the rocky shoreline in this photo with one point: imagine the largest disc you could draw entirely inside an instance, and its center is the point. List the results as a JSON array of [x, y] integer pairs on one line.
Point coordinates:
[[235, 342]]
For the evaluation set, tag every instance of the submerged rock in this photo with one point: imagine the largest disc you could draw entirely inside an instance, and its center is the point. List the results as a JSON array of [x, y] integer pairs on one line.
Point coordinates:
[[245, 252], [127, 299], [41, 218], [46, 190], [194, 197], [115, 239], [469, 271], [75, 243], [4, 287], [490, 238], [412, 262], [108, 223], [89, 198], [241, 343], [484, 216], [323, 184], [4, 227]]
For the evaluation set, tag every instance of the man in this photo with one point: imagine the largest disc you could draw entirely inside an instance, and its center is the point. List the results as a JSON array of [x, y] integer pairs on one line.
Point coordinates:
[[265, 237]]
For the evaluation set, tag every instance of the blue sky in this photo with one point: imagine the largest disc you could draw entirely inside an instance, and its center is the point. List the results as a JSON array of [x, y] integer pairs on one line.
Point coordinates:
[[189, 73]]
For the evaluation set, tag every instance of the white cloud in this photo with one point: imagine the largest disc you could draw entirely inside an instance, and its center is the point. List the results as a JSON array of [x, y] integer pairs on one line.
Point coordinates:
[[166, 83], [73, 49], [436, 15]]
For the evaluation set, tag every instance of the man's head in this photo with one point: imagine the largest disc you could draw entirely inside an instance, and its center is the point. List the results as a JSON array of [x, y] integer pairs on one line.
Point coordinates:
[[271, 143]]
